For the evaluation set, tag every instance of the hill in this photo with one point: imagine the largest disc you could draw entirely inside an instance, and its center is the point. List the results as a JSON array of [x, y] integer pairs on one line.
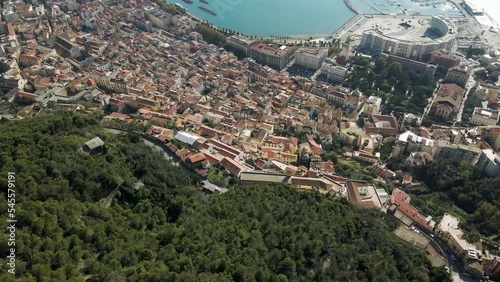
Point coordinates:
[[165, 231]]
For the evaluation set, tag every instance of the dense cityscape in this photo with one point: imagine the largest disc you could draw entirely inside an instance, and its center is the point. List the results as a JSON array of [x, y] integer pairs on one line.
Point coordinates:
[[394, 114]]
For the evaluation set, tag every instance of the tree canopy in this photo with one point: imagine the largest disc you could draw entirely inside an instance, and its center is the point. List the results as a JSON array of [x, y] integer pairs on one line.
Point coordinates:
[[165, 231], [211, 35], [403, 91], [458, 185]]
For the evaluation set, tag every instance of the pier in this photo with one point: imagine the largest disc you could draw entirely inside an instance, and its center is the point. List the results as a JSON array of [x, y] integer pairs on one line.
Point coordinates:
[[348, 25], [375, 8], [351, 7]]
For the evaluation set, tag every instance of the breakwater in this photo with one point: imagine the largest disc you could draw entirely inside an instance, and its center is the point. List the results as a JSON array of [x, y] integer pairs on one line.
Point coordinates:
[[351, 7], [348, 25]]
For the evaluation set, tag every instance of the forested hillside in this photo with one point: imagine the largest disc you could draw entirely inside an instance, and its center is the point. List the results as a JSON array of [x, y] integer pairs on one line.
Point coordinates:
[[476, 197], [165, 231]]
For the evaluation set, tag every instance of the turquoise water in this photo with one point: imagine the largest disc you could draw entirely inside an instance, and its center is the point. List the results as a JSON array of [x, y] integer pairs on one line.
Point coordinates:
[[303, 17], [274, 17]]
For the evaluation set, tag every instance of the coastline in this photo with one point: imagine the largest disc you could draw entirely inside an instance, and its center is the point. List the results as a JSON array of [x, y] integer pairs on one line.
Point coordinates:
[[358, 15]]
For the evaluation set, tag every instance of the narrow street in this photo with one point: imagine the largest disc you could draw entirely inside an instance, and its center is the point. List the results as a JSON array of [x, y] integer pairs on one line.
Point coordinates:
[[456, 269], [166, 153], [316, 74], [470, 84], [429, 104]]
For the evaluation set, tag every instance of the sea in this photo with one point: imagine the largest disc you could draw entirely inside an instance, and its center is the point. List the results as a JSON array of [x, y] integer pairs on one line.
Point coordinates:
[[266, 18]]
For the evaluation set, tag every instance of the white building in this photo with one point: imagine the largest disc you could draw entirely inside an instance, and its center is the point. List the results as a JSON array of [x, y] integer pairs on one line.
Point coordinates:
[[372, 105], [415, 143], [186, 137], [310, 58], [449, 231], [412, 40], [482, 116], [159, 18], [489, 163], [333, 72]]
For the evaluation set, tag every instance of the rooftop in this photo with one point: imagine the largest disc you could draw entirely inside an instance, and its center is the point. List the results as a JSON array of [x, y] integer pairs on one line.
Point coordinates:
[[94, 143], [493, 115], [271, 49], [264, 177], [449, 224], [363, 194], [404, 29], [186, 137], [314, 52]]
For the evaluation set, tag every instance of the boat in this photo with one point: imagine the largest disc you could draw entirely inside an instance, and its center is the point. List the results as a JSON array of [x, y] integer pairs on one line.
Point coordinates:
[[208, 11], [188, 1], [204, 1], [180, 6]]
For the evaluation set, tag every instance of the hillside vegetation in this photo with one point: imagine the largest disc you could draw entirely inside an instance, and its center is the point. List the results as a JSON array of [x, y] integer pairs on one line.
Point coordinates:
[[166, 231]]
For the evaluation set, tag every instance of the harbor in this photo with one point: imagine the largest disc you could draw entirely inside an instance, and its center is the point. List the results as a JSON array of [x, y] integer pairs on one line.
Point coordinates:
[[278, 18], [235, 15]]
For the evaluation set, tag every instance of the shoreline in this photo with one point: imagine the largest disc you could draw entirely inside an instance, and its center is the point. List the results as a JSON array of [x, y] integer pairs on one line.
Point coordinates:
[[337, 33], [291, 37]]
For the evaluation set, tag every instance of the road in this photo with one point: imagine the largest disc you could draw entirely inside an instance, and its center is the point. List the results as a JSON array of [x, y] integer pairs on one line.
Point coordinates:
[[456, 269], [292, 62], [429, 101], [316, 74], [166, 153], [470, 84]]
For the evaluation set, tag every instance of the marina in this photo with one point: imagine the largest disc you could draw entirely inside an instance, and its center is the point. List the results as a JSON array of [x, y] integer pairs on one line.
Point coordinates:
[[408, 7], [263, 18]]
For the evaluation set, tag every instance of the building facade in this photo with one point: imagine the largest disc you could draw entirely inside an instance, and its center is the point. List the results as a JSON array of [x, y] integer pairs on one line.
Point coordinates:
[[240, 44], [444, 60], [413, 65], [457, 152], [482, 116], [159, 18], [458, 75], [272, 56], [447, 102], [333, 71], [489, 163], [310, 58], [415, 47]]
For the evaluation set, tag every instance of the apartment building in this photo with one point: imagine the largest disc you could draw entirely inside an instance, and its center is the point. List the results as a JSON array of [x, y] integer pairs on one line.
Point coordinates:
[[482, 116], [240, 44], [442, 58], [333, 71], [414, 143], [272, 55], [310, 58], [459, 75], [457, 152], [489, 163]]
